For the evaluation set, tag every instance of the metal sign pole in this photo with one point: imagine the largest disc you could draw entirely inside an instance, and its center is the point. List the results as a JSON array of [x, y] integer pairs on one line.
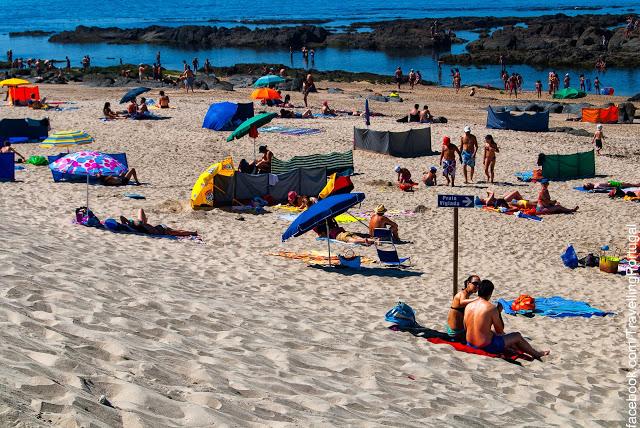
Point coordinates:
[[455, 251]]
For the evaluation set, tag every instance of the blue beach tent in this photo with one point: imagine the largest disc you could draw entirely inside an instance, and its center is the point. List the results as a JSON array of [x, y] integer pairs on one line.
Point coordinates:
[[227, 116], [533, 122]]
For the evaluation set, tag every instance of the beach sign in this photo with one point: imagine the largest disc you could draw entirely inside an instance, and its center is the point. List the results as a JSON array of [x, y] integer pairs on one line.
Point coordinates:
[[455, 202]]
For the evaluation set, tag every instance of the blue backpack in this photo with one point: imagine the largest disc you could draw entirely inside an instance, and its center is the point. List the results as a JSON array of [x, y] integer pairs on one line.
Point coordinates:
[[402, 315], [570, 258]]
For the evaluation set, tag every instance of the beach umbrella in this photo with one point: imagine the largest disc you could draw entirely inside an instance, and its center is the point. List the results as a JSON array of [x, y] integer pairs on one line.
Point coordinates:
[[265, 94], [320, 213], [270, 79], [14, 82], [89, 164], [133, 94], [250, 127], [66, 139]]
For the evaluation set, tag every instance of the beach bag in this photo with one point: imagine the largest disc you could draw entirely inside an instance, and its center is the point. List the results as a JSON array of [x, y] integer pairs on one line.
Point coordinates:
[[87, 218], [524, 302], [349, 259], [570, 258], [402, 315], [37, 160]]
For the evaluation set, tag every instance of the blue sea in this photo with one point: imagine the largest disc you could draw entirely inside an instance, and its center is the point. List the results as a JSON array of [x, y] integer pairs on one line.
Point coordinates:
[[56, 15]]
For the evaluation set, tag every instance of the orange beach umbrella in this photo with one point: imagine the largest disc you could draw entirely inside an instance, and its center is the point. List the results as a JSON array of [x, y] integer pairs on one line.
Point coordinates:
[[265, 94]]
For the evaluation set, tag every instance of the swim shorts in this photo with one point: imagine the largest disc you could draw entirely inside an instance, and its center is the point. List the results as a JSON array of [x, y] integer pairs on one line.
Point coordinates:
[[452, 332], [449, 167], [495, 347], [468, 159]]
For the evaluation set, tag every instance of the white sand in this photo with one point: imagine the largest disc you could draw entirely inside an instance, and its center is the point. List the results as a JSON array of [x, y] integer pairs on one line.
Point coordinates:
[[188, 334]]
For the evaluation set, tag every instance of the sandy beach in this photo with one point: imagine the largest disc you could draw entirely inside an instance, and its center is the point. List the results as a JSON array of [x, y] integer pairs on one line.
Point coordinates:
[[220, 333]]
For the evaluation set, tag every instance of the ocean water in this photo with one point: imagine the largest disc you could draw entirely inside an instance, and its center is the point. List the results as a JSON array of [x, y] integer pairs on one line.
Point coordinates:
[[56, 15]]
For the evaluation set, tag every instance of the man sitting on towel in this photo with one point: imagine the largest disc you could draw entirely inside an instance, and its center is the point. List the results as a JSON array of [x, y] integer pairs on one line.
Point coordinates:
[[479, 318], [380, 221]]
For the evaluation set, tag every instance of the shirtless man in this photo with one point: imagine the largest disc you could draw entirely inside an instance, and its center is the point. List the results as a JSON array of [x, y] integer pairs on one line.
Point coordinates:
[[448, 160], [398, 77], [188, 77], [414, 113], [468, 150], [485, 328], [380, 221], [163, 101], [425, 115], [546, 205], [489, 160]]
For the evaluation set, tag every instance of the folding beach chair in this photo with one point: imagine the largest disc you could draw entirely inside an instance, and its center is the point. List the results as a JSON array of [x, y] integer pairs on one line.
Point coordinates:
[[387, 252]]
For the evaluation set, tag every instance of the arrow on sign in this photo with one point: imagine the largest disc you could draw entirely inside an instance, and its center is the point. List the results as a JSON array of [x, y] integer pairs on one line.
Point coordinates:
[[468, 202]]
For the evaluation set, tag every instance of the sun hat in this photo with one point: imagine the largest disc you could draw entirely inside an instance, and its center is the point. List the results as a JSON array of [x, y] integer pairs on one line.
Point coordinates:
[[397, 168], [467, 129], [433, 169], [380, 209], [446, 140]]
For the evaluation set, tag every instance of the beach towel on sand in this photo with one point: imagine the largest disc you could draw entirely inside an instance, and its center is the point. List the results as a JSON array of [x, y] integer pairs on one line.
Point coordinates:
[[558, 307], [442, 339]]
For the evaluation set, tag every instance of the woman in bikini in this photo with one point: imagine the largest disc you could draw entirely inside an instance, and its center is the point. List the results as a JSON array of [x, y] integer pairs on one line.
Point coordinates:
[[120, 180], [108, 113], [455, 319], [141, 225], [489, 161]]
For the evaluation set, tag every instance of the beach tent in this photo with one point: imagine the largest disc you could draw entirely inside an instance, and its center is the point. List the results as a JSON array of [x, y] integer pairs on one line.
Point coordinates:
[[533, 122], [569, 93], [600, 115], [566, 167], [220, 185], [227, 116], [22, 94], [23, 130], [334, 162], [404, 144]]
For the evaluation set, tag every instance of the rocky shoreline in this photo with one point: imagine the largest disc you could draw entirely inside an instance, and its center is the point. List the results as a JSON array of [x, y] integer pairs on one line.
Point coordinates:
[[545, 41]]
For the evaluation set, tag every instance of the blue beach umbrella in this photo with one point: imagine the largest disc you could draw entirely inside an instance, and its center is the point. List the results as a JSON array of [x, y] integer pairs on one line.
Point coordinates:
[[270, 79], [321, 212], [133, 94], [367, 112]]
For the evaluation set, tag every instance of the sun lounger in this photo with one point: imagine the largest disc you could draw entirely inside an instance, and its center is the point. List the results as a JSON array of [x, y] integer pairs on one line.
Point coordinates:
[[58, 177]]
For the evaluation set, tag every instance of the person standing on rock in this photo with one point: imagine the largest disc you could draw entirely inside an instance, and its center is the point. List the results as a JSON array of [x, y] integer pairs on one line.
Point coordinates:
[[398, 76], [468, 151], [195, 64]]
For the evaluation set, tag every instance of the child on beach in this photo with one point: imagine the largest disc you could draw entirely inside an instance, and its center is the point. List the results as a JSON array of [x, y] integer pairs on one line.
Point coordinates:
[[430, 178], [598, 138]]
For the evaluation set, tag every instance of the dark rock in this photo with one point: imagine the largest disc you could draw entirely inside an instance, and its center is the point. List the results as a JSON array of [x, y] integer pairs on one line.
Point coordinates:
[[626, 112], [636, 97], [31, 33]]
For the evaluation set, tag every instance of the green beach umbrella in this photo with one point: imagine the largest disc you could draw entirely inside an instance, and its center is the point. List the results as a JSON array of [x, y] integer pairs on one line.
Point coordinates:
[[270, 79], [254, 123]]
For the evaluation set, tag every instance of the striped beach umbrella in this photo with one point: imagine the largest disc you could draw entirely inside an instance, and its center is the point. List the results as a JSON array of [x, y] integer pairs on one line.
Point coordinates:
[[67, 139]]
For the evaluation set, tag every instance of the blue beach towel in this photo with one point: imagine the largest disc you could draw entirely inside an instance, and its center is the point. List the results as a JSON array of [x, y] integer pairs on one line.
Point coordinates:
[[525, 176], [558, 307], [582, 189]]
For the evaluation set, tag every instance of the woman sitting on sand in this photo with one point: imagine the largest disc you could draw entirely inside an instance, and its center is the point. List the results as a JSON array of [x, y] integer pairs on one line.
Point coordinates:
[[546, 205], [455, 318], [119, 180], [163, 101], [143, 108], [142, 225], [108, 113]]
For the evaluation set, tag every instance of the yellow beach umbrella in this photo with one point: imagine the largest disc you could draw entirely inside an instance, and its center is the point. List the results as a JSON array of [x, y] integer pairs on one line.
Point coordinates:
[[14, 82], [66, 139]]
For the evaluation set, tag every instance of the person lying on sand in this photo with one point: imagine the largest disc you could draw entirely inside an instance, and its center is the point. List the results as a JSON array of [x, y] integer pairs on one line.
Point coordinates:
[[142, 225], [119, 180], [609, 185], [546, 205], [290, 114], [338, 233], [511, 199], [455, 318], [36, 104], [380, 221], [6, 148], [485, 328]]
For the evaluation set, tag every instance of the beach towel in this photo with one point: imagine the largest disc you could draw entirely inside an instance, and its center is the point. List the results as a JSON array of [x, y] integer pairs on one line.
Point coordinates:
[[314, 257], [558, 307], [290, 131], [582, 189], [335, 241], [127, 230], [525, 176]]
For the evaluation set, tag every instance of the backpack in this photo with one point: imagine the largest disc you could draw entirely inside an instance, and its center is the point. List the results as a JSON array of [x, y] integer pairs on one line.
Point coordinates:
[[402, 315], [570, 258], [524, 302]]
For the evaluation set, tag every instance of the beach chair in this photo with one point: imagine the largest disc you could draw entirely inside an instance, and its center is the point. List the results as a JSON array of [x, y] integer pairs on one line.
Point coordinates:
[[386, 249], [7, 166]]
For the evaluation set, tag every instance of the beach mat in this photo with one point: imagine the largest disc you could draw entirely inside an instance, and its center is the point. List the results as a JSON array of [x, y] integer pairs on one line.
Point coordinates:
[[582, 189], [557, 307], [284, 130]]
